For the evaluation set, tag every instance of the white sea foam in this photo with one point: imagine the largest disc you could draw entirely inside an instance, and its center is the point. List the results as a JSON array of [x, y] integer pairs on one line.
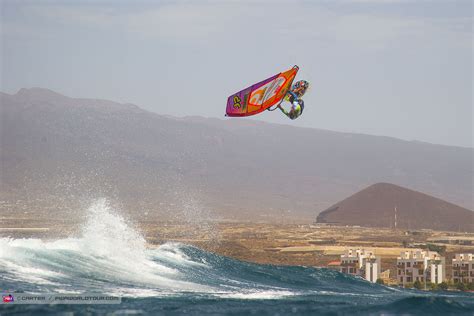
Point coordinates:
[[172, 252], [258, 295], [109, 252]]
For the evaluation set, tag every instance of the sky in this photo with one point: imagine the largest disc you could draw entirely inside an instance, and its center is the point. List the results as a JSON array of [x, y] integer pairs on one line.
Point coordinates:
[[381, 67]]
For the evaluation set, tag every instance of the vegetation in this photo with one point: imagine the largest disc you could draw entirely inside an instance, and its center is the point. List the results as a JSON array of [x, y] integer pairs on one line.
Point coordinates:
[[433, 286], [438, 249], [380, 281], [461, 286], [443, 286], [417, 285]]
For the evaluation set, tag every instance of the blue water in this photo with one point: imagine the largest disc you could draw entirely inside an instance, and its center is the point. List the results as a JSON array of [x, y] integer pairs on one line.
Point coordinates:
[[109, 257]]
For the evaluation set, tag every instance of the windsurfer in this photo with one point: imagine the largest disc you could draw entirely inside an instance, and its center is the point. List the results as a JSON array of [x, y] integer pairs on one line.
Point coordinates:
[[294, 96]]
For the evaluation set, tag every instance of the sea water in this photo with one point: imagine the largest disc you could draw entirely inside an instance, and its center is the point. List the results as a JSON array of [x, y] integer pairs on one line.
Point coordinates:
[[112, 258]]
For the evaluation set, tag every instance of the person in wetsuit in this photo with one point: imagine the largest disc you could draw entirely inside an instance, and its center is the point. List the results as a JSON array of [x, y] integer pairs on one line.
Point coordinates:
[[294, 97]]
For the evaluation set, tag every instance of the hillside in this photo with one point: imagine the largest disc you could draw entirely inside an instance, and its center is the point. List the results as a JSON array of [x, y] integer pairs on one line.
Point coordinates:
[[388, 205], [59, 152]]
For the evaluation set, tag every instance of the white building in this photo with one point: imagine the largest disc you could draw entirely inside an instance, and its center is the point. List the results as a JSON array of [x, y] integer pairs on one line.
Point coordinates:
[[463, 268], [422, 266], [361, 262]]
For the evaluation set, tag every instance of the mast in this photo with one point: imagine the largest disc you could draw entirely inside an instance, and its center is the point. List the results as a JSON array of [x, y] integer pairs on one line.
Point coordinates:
[[395, 217]]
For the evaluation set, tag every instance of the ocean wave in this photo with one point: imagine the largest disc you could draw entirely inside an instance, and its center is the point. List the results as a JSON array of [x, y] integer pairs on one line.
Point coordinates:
[[111, 257]]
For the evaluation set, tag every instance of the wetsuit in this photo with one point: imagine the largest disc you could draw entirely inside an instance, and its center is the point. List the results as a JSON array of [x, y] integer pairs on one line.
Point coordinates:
[[295, 109]]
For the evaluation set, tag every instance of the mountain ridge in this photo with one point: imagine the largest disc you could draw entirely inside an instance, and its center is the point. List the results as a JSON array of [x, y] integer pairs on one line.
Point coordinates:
[[203, 119], [229, 168]]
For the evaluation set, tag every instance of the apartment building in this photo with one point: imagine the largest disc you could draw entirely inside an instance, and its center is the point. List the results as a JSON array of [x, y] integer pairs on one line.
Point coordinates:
[[361, 262], [463, 268], [422, 266]]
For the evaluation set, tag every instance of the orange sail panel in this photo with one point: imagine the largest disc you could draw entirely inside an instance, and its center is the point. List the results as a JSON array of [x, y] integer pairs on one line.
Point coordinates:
[[262, 95]]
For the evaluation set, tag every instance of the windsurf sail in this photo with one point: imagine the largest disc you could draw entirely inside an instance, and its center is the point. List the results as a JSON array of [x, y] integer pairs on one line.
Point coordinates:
[[261, 96]]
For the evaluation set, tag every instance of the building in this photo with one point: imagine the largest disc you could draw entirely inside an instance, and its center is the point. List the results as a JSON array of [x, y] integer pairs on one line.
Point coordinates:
[[362, 263], [463, 268], [422, 266], [385, 276], [334, 265]]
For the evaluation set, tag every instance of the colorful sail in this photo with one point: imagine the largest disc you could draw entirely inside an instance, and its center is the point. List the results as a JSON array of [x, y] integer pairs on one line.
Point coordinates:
[[260, 96]]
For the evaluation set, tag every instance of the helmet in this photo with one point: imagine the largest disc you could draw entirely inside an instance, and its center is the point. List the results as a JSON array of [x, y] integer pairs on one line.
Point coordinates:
[[300, 88], [301, 84]]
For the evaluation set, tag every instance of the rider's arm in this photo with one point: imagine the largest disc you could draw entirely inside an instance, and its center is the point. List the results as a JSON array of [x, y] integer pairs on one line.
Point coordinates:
[[293, 96], [284, 111]]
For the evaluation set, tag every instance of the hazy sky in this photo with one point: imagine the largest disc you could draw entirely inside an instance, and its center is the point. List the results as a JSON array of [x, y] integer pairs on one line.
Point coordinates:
[[395, 68]]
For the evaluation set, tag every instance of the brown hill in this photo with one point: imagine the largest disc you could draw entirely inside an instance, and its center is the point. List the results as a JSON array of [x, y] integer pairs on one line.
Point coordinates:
[[379, 205]]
